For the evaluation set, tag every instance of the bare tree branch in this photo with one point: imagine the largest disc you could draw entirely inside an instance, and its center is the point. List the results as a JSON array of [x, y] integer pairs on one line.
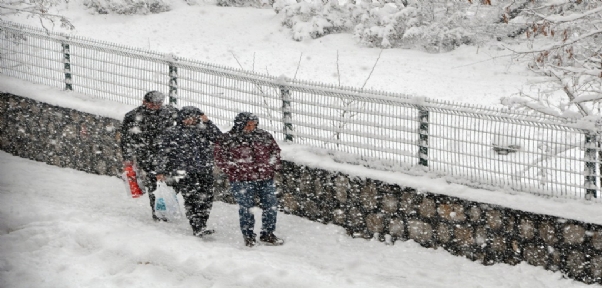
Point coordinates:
[[39, 11], [374, 66], [298, 65], [338, 71]]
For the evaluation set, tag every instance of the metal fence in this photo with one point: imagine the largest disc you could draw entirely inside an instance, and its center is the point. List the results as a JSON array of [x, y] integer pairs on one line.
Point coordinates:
[[467, 144]]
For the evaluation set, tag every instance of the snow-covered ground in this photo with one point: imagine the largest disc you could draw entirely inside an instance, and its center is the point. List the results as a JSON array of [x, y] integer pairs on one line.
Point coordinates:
[[65, 228]]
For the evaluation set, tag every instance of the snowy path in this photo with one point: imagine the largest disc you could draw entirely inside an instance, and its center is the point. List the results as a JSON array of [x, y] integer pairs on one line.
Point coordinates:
[[65, 228]]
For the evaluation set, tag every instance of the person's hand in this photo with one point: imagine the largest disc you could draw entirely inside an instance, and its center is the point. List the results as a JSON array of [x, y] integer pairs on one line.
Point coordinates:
[[204, 118], [160, 177]]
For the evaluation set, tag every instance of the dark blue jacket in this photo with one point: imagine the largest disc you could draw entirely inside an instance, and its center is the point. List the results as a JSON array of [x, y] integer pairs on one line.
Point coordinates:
[[140, 130], [187, 148]]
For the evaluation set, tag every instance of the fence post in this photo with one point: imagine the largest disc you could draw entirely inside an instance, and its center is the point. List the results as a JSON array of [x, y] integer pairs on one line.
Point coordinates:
[[173, 83], [285, 93], [591, 144], [423, 143], [67, 66]]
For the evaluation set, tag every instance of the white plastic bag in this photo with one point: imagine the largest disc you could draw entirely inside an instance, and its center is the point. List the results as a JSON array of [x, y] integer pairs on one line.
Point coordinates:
[[166, 203]]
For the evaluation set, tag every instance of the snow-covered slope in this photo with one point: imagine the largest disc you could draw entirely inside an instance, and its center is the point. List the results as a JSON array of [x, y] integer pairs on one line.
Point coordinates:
[[65, 228]]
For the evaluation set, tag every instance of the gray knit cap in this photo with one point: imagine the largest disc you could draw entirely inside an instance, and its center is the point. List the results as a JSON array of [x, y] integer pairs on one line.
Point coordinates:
[[154, 97]]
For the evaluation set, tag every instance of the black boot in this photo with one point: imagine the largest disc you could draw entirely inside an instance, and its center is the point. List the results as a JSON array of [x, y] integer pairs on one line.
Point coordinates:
[[250, 241], [203, 232], [157, 219], [271, 239]]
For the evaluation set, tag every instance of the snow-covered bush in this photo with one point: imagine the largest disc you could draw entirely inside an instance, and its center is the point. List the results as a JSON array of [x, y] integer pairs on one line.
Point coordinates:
[[384, 25], [128, 6], [314, 18], [245, 3], [431, 25], [444, 36]]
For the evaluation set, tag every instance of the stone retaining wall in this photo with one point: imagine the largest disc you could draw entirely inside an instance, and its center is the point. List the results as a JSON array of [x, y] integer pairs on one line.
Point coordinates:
[[366, 208]]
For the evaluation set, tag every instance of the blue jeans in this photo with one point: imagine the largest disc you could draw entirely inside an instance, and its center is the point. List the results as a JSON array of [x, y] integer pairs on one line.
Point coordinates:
[[244, 192]]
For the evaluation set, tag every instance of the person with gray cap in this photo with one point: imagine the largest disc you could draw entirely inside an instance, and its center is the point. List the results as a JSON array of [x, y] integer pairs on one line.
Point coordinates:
[[186, 162], [250, 157], [139, 131]]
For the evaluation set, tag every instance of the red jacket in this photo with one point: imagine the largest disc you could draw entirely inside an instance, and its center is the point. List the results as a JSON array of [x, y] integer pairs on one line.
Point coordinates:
[[247, 156]]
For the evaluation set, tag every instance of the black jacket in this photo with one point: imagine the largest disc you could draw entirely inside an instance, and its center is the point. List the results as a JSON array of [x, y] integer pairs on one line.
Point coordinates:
[[140, 130], [187, 148]]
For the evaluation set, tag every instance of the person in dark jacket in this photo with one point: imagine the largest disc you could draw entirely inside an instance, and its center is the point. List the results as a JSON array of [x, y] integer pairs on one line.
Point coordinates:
[[250, 157], [140, 129], [186, 154]]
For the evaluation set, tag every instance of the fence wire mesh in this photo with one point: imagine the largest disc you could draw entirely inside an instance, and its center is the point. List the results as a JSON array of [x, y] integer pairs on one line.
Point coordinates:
[[468, 144]]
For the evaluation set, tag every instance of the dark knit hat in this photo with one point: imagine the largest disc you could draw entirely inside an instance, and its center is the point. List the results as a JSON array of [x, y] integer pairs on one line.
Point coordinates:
[[242, 119], [189, 111], [154, 97]]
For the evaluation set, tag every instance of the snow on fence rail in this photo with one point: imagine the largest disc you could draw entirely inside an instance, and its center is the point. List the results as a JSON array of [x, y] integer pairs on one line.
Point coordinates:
[[469, 144]]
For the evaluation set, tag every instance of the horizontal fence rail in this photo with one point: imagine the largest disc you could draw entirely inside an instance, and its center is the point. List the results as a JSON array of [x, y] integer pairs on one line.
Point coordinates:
[[467, 144]]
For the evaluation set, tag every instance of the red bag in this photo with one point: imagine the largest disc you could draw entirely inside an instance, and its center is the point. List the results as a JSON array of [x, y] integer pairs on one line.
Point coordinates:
[[131, 183]]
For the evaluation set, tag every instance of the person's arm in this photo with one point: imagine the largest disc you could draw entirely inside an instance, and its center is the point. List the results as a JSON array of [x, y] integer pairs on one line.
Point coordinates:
[[211, 131], [222, 157], [164, 144], [125, 144], [275, 154]]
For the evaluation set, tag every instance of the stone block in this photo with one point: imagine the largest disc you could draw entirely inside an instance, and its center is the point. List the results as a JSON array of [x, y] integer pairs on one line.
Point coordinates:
[[390, 203], [406, 203], [12, 103], [101, 167], [555, 259], [444, 233], [596, 267], [290, 182], [515, 247], [341, 188], [419, 231], [463, 236], [290, 203], [597, 240], [375, 223], [480, 236], [320, 189], [368, 195], [3, 105], [339, 217], [354, 192], [535, 255], [312, 210], [75, 116], [474, 213], [427, 208], [305, 183], [526, 229], [355, 219], [498, 244], [396, 228], [510, 223], [547, 232], [573, 234], [575, 262], [114, 170], [452, 212]]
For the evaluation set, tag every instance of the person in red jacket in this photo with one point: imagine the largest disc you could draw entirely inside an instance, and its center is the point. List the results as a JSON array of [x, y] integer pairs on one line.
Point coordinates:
[[250, 157]]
